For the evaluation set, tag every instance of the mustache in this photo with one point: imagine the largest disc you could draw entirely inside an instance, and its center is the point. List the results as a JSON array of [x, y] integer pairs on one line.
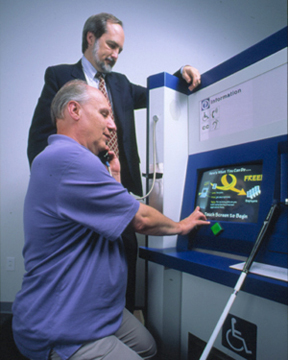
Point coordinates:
[[111, 60]]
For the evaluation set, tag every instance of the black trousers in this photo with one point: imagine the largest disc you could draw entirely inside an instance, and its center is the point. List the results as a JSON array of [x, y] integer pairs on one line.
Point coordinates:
[[131, 248]]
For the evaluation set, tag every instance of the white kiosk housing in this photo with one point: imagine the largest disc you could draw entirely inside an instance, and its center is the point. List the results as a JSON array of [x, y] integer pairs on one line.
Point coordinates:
[[234, 125]]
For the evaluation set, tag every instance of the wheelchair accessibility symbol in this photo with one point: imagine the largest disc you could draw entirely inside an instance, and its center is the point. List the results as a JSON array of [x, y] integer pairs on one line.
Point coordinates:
[[233, 334], [239, 336]]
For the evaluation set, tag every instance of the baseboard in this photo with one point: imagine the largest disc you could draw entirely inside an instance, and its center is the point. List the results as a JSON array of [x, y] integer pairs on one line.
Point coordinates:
[[6, 307]]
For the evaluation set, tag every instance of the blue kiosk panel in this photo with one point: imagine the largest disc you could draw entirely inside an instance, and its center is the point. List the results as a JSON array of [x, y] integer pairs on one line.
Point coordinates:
[[203, 253], [235, 187]]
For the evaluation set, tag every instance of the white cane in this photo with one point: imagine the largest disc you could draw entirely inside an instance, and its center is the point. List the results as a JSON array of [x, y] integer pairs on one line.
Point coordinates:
[[240, 281]]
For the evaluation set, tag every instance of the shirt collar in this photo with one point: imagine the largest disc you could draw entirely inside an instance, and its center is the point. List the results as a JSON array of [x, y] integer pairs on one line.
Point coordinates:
[[89, 69]]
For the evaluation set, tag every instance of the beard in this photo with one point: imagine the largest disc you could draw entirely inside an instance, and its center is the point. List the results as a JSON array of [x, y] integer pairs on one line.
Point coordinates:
[[105, 68]]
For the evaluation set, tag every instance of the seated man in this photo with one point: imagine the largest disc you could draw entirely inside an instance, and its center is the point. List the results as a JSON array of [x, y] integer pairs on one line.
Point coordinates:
[[71, 305]]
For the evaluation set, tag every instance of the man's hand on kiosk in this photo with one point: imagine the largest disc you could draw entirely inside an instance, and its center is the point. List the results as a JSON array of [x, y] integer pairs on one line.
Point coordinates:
[[192, 76], [197, 218]]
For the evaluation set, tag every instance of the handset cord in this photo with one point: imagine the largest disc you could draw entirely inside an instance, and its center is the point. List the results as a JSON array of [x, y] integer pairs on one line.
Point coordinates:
[[155, 119]]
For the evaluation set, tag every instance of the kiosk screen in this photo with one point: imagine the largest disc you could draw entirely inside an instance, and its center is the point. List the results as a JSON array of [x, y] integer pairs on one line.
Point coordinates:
[[230, 193]]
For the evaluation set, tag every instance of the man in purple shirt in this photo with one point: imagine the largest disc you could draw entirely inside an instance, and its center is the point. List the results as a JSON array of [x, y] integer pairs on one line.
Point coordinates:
[[72, 301]]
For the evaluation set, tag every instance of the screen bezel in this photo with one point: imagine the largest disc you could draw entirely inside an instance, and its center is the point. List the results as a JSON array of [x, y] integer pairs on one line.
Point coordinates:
[[236, 238]]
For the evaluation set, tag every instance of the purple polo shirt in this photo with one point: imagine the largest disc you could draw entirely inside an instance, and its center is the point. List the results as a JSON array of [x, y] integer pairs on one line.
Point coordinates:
[[74, 287]]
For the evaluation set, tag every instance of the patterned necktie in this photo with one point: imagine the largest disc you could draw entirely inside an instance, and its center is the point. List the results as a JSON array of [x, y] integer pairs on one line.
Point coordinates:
[[113, 142]]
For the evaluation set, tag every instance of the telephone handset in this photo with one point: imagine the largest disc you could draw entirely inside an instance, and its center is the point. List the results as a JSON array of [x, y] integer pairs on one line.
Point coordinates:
[[104, 157]]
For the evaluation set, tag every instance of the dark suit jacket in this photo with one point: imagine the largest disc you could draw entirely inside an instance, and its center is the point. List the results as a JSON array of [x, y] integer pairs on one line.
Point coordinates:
[[125, 96]]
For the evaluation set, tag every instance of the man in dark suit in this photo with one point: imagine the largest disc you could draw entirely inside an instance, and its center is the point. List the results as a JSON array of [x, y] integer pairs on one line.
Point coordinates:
[[102, 42]]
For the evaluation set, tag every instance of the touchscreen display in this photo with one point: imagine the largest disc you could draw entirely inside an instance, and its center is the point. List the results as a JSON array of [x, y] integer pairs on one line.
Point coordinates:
[[230, 193]]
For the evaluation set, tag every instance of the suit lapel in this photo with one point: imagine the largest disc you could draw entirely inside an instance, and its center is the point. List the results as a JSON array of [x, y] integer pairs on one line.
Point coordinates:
[[77, 71]]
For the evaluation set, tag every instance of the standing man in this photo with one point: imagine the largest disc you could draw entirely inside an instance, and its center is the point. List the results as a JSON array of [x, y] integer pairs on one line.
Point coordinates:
[[71, 304], [102, 42]]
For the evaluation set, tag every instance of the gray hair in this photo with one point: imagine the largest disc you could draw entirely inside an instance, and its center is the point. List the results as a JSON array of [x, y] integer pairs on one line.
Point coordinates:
[[97, 24], [76, 90]]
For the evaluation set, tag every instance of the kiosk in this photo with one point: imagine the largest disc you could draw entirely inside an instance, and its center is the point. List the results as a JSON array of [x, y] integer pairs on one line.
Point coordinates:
[[224, 148]]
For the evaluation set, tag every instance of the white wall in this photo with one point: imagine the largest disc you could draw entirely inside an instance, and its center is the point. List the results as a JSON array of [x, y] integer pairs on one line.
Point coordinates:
[[161, 35]]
